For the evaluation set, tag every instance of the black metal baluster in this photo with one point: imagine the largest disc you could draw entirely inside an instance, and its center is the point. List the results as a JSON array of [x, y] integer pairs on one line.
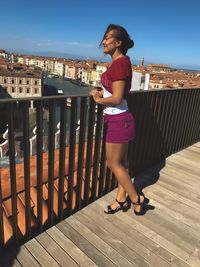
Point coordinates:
[[195, 105], [170, 123], [160, 118], [113, 182], [103, 163], [96, 157], [13, 172], [1, 217], [62, 151], [72, 143], [89, 151], [39, 123], [165, 124], [197, 117], [176, 117], [26, 149], [51, 156], [133, 103], [184, 102], [108, 180], [188, 117], [141, 120], [81, 151], [150, 140], [174, 121]]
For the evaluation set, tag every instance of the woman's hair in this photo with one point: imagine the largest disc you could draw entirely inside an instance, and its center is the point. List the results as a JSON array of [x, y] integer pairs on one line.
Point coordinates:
[[122, 35]]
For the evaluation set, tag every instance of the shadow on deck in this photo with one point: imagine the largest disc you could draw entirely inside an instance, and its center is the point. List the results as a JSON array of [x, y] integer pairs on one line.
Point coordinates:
[[169, 235]]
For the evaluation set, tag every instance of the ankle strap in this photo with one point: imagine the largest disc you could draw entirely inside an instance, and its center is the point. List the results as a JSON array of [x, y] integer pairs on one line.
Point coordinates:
[[138, 201], [120, 203]]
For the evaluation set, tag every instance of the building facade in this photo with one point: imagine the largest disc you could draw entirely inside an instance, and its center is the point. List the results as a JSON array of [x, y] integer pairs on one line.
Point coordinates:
[[22, 83]]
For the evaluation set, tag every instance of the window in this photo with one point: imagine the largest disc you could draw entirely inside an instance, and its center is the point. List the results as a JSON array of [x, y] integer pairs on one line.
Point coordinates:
[[36, 91], [27, 82], [20, 81], [35, 82], [28, 90], [20, 90], [13, 81], [13, 89], [5, 81]]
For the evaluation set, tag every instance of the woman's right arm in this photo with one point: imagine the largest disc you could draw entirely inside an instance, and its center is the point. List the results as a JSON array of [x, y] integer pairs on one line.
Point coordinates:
[[118, 88]]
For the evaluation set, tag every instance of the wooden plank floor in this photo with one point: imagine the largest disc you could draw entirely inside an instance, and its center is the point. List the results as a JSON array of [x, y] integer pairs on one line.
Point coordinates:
[[168, 235]]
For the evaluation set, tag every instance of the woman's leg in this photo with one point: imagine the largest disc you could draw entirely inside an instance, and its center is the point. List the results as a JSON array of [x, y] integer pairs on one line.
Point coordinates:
[[121, 193], [115, 154]]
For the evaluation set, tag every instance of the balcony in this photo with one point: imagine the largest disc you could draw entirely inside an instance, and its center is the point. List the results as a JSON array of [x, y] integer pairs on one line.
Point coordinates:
[[52, 172]]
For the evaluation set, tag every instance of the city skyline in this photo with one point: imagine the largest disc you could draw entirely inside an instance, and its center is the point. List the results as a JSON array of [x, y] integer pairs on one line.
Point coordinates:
[[164, 33]]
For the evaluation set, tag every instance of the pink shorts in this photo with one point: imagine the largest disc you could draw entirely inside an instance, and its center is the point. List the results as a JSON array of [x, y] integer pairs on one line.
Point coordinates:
[[120, 128]]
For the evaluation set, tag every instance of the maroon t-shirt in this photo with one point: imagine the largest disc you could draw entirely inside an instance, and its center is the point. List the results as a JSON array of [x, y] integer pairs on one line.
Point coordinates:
[[120, 69]]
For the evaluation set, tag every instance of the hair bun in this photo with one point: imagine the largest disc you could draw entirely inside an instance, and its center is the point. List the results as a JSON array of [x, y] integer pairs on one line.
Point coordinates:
[[131, 43]]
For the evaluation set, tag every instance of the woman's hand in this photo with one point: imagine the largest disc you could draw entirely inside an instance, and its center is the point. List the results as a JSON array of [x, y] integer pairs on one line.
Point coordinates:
[[96, 94]]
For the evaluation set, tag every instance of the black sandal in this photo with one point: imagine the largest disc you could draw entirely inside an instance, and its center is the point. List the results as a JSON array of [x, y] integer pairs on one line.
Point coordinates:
[[142, 205], [146, 199], [124, 206]]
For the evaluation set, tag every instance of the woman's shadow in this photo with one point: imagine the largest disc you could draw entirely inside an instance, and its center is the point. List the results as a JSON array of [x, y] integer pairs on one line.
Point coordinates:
[[148, 178]]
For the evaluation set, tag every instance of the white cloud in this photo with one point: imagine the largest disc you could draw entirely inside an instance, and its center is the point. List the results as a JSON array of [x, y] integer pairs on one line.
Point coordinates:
[[41, 45], [57, 44]]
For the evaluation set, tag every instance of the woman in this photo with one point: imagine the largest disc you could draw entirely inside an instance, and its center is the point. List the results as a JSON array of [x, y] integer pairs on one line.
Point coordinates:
[[119, 121]]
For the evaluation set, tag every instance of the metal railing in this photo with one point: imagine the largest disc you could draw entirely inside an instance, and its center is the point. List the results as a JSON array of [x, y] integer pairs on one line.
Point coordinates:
[[167, 121], [62, 178]]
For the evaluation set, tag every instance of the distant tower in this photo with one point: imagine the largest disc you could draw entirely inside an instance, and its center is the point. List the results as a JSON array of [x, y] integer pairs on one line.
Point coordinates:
[[142, 62]]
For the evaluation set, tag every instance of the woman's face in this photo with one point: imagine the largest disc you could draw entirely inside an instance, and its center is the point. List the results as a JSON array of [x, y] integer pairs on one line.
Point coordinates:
[[110, 44]]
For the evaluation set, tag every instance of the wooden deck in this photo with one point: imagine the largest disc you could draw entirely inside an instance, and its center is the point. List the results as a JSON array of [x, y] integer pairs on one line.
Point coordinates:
[[168, 235]]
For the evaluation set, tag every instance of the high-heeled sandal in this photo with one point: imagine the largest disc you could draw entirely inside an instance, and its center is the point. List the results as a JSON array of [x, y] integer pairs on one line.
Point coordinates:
[[146, 199], [124, 206], [143, 208]]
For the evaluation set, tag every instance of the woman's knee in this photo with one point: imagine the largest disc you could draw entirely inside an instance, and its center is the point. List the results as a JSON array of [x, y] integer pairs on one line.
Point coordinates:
[[114, 166], [110, 164]]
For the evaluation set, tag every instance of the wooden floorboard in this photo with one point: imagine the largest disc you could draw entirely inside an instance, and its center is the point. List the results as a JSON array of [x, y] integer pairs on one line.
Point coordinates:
[[167, 235], [71, 249]]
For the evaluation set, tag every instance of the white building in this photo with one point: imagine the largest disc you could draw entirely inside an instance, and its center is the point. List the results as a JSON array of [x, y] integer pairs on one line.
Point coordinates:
[[100, 68], [21, 60], [49, 65], [40, 63], [59, 68], [3, 53], [86, 76], [139, 81]]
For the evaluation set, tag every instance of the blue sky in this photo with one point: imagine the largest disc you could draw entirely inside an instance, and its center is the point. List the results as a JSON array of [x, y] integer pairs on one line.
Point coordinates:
[[165, 31]]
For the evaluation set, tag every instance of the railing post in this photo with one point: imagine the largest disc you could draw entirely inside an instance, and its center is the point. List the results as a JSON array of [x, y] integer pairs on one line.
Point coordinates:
[[103, 164], [72, 142], [39, 123], [51, 157], [1, 217], [89, 151], [62, 150], [98, 135], [81, 152], [13, 173], [26, 149], [194, 115]]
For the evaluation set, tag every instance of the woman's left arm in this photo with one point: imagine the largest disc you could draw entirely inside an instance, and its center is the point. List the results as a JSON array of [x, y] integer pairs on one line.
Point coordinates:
[[118, 88]]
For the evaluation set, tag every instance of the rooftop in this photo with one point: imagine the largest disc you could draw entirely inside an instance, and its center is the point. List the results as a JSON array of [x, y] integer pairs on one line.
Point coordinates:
[[20, 71]]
